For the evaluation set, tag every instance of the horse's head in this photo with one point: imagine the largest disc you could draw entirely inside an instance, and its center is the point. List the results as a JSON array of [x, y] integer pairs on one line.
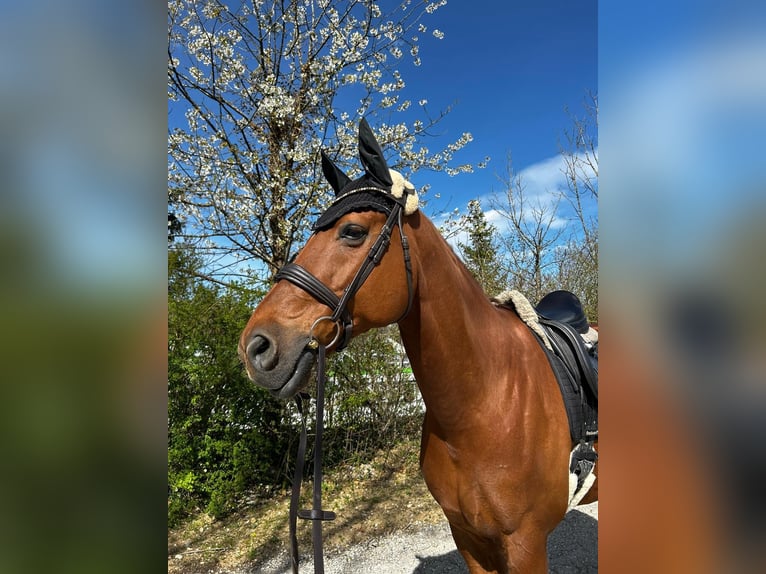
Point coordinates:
[[340, 284]]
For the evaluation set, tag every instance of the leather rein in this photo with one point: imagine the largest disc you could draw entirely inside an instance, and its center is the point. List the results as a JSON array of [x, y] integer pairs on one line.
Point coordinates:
[[343, 321]]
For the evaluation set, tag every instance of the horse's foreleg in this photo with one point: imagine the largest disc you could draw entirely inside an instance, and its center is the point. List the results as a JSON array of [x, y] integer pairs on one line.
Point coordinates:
[[522, 552], [475, 552], [525, 551]]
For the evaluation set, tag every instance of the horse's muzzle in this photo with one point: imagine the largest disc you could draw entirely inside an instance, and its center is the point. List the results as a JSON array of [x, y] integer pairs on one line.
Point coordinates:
[[281, 369]]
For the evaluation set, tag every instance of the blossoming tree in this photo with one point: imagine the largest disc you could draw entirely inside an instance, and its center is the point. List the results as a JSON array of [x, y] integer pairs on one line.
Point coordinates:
[[257, 87]]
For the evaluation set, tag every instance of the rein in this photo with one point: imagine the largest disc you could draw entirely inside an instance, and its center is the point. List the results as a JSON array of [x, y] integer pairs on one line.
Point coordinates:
[[343, 321], [316, 514]]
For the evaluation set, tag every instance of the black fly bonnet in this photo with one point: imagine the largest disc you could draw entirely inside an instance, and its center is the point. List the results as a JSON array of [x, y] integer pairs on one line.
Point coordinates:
[[378, 189]]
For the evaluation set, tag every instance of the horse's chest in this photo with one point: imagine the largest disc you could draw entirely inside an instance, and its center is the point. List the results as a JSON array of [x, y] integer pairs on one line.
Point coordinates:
[[476, 492]]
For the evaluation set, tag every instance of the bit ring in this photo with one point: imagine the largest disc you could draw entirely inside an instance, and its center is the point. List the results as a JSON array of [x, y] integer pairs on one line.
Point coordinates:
[[314, 342]]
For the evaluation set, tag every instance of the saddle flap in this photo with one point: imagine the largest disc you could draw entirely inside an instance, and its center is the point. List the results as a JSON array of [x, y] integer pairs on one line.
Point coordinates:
[[570, 346], [577, 373]]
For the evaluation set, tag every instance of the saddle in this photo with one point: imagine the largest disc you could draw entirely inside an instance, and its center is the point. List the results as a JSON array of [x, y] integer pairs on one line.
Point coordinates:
[[575, 363], [564, 307]]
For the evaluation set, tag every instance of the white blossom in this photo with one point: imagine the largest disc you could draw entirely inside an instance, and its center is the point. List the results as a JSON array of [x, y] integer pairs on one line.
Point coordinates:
[[434, 6], [255, 95]]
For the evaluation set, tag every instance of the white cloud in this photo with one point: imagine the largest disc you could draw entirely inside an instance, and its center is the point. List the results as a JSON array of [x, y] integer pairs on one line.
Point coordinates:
[[546, 179], [543, 184]]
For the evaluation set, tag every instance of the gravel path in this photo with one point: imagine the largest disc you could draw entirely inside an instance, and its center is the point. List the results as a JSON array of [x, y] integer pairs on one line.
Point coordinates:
[[572, 549]]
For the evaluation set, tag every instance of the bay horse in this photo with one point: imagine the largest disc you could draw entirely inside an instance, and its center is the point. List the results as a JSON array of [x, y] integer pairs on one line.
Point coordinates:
[[495, 442]]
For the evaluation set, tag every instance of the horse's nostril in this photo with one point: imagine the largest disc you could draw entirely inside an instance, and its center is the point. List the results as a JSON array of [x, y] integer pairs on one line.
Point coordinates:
[[259, 345], [262, 353]]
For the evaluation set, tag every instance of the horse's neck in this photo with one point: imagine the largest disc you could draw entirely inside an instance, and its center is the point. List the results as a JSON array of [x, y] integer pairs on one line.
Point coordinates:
[[453, 335]]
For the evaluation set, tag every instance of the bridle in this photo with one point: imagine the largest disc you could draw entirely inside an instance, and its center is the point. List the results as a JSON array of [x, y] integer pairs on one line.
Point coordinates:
[[343, 321], [341, 316]]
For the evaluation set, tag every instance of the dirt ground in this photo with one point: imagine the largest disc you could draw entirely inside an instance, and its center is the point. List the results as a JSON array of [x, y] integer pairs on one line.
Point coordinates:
[[387, 523]]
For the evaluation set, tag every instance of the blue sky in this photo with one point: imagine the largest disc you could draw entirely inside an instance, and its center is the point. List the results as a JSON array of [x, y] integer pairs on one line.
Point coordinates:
[[682, 124], [510, 70]]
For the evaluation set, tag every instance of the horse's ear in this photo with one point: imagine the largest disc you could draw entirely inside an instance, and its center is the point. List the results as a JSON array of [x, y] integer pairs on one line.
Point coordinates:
[[372, 156], [334, 175]]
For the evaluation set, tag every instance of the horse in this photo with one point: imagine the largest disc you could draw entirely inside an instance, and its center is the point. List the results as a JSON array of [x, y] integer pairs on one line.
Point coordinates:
[[495, 440]]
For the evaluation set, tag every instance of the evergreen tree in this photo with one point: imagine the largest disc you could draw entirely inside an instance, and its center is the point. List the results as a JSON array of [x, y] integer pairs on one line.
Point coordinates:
[[481, 252]]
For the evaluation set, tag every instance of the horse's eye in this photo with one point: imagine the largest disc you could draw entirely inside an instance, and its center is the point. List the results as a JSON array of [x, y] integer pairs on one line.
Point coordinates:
[[353, 234]]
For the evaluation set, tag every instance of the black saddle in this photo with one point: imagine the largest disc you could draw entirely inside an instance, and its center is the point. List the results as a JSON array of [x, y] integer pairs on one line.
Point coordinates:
[[564, 307], [576, 365]]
